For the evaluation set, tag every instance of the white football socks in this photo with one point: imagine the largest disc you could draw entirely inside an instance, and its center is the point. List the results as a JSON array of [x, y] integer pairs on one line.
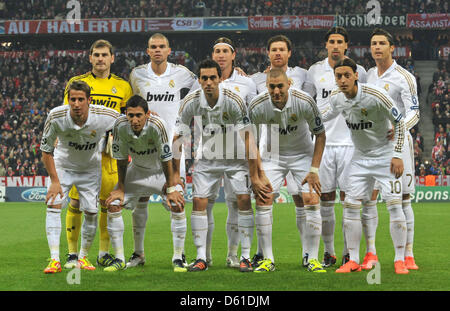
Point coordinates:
[[263, 221], [300, 214], [409, 215], [232, 228], [328, 225], [369, 219], [246, 225], [397, 227], [352, 227], [178, 226], [209, 211], [115, 230], [53, 229], [140, 216], [313, 230], [199, 226], [88, 230]]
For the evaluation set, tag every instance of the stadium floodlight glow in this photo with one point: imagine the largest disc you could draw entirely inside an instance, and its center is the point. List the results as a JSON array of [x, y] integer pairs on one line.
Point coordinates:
[[6, 44]]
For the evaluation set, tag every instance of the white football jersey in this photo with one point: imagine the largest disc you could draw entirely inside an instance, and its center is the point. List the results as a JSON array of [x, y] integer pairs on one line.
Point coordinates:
[[241, 85], [229, 115], [148, 149], [296, 121], [165, 92], [402, 88], [78, 148], [320, 82], [296, 76], [369, 116]]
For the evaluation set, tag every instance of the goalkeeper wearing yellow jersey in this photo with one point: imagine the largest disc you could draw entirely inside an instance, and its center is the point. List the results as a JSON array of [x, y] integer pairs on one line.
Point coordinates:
[[110, 91]]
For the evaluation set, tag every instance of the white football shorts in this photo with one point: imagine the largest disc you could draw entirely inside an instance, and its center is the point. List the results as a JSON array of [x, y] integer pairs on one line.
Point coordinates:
[[277, 170], [363, 174], [208, 174], [408, 177], [334, 168], [87, 183]]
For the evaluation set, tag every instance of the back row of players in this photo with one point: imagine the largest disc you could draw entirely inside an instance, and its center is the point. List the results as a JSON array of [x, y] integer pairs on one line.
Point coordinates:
[[357, 155]]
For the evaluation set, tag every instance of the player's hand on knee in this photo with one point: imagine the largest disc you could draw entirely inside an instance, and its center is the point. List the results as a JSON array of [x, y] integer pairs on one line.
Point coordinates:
[[52, 193], [397, 167], [262, 189], [313, 182], [310, 198], [115, 195], [176, 201]]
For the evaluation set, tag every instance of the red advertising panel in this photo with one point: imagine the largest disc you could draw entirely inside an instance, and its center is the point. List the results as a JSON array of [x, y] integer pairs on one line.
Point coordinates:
[[290, 22], [438, 20]]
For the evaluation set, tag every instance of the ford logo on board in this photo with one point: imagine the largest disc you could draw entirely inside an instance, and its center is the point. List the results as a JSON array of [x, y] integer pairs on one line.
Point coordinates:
[[34, 195]]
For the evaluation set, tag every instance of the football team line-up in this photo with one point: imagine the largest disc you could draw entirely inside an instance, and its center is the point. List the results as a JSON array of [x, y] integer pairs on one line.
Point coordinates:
[[334, 126]]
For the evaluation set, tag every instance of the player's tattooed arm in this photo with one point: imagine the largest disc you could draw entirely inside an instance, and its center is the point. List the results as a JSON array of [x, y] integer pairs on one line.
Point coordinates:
[[55, 186]]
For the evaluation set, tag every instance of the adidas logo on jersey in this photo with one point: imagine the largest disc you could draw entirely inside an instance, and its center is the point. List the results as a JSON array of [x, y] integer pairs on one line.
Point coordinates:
[[148, 151], [160, 97], [86, 146], [359, 126]]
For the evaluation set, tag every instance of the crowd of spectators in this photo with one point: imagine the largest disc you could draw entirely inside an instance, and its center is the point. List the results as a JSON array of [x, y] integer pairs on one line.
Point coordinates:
[[31, 85], [57, 9], [439, 92]]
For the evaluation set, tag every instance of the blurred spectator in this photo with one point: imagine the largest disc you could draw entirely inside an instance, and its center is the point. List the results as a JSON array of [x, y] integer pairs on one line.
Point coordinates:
[[422, 171], [434, 170], [437, 151]]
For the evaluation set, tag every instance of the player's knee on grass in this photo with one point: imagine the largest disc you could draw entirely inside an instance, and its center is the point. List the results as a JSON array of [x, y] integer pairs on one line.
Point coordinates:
[[114, 208], [342, 196], [330, 196], [176, 209], [310, 198], [298, 200], [75, 203], [265, 202], [244, 202], [374, 195], [200, 204]]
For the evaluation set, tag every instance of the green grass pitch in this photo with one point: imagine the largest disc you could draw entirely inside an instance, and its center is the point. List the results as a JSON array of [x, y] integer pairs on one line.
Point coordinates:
[[24, 253]]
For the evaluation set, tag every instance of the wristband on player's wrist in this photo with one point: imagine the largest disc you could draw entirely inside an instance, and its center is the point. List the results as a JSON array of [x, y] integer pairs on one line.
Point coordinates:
[[314, 170], [171, 189]]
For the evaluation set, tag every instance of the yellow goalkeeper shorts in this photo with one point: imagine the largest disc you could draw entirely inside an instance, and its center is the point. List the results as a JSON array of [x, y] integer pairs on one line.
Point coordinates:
[[109, 178]]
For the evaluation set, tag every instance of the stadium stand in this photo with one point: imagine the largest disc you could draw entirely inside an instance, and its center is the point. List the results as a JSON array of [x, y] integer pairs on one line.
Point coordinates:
[[28, 65], [51, 9]]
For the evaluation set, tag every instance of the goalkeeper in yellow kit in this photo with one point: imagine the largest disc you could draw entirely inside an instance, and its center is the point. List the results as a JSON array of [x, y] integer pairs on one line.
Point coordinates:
[[110, 91]]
